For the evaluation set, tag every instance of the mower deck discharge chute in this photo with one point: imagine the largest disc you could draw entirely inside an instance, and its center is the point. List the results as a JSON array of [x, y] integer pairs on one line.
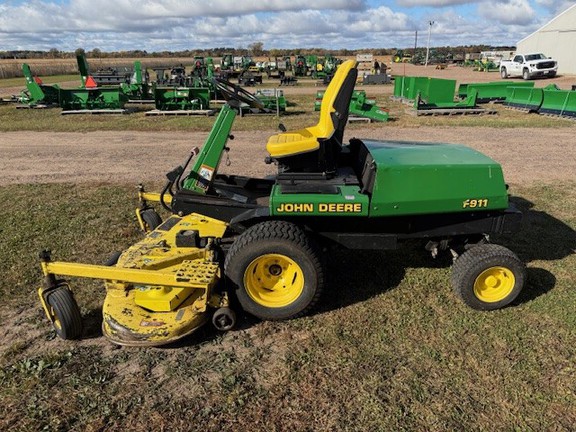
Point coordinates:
[[266, 235]]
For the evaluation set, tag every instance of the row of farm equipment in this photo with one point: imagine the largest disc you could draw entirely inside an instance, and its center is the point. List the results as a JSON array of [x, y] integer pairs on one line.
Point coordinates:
[[173, 92], [437, 96]]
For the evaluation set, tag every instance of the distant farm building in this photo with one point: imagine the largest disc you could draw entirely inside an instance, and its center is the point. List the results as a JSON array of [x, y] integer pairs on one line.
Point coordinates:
[[556, 39]]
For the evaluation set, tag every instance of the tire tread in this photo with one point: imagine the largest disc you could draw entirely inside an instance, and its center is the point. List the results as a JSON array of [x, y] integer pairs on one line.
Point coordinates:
[[474, 256], [280, 230], [63, 300]]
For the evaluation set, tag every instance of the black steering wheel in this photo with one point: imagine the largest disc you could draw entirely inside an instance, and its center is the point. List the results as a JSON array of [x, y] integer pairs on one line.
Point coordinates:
[[236, 94]]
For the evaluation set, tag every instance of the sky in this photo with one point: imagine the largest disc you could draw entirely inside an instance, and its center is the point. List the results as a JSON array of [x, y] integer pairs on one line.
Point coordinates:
[[174, 25]]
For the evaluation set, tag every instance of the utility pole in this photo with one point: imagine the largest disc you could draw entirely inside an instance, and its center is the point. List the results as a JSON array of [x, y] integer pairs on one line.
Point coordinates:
[[430, 24], [415, 43]]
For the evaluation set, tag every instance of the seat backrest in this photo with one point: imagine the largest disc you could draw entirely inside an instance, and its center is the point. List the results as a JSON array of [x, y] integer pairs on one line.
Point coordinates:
[[337, 99]]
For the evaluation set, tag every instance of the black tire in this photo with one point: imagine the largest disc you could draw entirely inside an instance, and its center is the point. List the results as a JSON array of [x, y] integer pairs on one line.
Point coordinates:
[[472, 270], [503, 73], [113, 260], [297, 275], [525, 74], [151, 219], [65, 313], [224, 319]]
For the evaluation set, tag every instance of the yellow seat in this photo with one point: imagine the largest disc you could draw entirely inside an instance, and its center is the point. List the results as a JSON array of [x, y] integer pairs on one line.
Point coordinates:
[[306, 140]]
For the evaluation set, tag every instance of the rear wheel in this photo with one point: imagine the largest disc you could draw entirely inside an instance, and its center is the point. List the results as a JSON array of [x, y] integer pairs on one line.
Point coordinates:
[[64, 313], [277, 270], [488, 277], [503, 73]]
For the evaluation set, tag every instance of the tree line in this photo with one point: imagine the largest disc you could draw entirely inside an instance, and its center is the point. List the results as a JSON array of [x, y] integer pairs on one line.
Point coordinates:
[[254, 49]]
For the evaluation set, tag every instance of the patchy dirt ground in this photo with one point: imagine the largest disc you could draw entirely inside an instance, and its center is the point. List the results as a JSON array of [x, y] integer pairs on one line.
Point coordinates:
[[527, 155]]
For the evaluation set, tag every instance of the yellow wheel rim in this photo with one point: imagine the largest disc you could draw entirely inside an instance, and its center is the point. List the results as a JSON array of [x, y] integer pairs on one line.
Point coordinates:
[[274, 280], [494, 284], [55, 321]]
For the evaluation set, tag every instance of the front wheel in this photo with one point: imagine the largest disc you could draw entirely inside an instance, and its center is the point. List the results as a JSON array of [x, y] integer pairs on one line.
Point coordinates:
[[277, 270], [488, 277], [503, 73], [525, 74], [151, 219], [64, 313]]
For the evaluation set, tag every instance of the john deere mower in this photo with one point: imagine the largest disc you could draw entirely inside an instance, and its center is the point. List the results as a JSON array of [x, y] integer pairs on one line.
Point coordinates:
[[259, 240]]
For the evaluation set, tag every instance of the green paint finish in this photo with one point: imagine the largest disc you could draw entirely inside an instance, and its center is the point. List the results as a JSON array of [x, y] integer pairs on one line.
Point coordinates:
[[36, 93], [346, 201], [181, 98], [206, 163], [469, 102], [559, 102], [496, 90], [96, 98], [419, 178], [272, 99], [432, 90], [524, 98], [439, 91], [360, 106], [83, 68]]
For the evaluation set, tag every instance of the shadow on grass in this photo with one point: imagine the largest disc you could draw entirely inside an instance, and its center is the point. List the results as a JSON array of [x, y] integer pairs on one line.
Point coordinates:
[[354, 276], [539, 282], [542, 236], [92, 324]]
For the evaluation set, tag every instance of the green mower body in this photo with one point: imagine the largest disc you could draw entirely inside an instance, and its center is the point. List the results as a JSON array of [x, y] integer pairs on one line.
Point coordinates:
[[406, 178]]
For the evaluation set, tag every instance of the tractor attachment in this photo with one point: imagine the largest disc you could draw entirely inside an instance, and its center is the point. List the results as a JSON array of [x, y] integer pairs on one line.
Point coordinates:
[[37, 94], [158, 291]]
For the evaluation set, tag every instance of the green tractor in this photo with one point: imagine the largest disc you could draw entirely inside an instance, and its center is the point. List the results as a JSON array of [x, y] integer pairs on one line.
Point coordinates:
[[260, 240]]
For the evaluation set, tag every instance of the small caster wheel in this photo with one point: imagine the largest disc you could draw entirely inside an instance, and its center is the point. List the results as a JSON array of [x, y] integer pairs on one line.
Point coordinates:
[[64, 313], [224, 319], [151, 219]]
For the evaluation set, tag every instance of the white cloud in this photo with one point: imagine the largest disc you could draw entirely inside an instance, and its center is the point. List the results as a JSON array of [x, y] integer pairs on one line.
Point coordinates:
[[556, 6], [434, 3], [156, 25], [517, 12]]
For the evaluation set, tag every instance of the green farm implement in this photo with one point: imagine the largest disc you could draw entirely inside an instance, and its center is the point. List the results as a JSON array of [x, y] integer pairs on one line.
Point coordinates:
[[558, 102], [262, 102], [300, 67], [524, 98], [168, 98], [263, 242], [360, 106], [549, 100], [436, 96], [469, 104], [490, 91], [37, 94], [97, 100], [431, 90], [134, 83], [72, 101]]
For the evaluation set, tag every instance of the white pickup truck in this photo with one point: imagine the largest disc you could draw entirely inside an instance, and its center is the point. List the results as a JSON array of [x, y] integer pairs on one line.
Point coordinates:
[[529, 66]]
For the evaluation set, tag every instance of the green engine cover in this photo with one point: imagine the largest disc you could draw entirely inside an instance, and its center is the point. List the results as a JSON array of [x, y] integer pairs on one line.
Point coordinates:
[[422, 178]]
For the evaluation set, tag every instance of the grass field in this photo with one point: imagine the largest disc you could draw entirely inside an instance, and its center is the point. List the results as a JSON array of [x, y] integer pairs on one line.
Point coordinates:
[[390, 348]]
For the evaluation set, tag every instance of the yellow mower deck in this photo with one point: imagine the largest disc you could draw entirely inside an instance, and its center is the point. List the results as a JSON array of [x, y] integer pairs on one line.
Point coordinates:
[[160, 288]]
